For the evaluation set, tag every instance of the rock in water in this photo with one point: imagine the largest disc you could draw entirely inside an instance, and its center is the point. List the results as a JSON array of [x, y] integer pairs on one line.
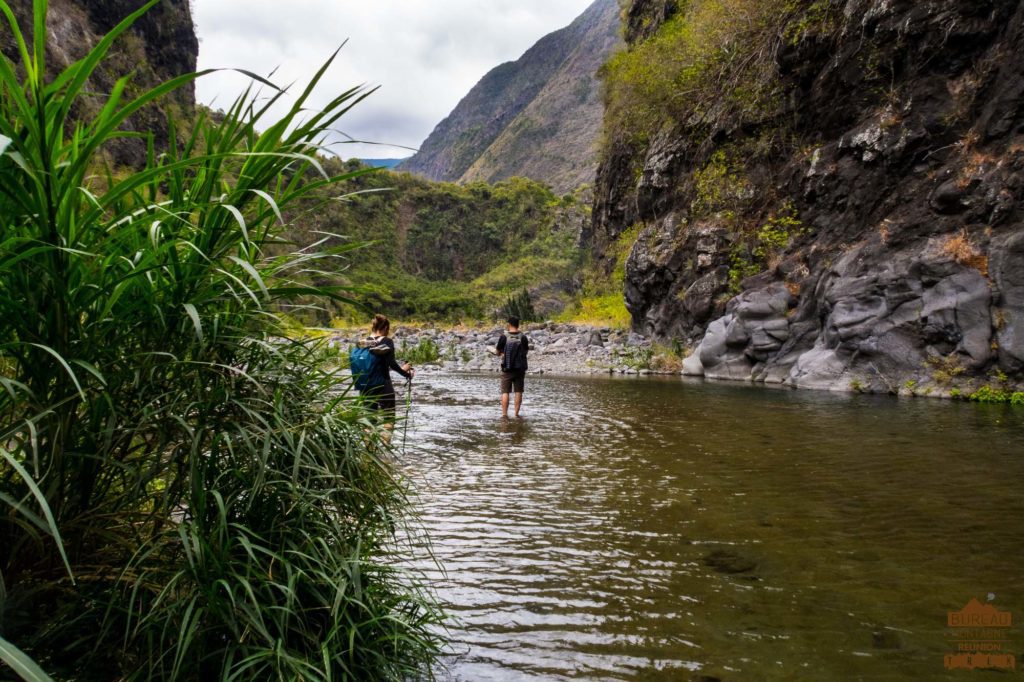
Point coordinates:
[[725, 561]]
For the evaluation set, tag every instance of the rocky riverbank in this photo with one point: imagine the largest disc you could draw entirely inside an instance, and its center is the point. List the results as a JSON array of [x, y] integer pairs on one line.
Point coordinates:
[[555, 348]]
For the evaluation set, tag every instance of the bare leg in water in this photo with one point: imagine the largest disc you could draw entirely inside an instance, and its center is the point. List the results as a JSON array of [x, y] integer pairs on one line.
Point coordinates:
[[505, 401]]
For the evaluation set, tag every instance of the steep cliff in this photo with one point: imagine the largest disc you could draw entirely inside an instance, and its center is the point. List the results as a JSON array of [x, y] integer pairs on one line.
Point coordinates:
[[161, 45], [825, 194], [537, 117]]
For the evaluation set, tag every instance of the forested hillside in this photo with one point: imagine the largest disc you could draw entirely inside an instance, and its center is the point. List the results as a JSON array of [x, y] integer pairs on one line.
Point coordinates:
[[441, 250]]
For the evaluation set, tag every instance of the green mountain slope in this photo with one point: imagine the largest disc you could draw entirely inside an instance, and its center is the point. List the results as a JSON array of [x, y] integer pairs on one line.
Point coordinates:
[[446, 251]]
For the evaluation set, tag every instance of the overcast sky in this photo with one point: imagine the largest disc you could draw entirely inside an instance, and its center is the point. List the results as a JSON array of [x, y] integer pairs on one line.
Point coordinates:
[[424, 54]]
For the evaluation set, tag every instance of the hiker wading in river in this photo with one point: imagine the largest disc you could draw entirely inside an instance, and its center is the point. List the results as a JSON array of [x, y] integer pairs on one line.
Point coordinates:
[[512, 348], [374, 380]]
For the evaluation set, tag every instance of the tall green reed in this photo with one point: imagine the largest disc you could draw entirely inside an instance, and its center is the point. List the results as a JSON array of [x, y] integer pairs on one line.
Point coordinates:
[[185, 493]]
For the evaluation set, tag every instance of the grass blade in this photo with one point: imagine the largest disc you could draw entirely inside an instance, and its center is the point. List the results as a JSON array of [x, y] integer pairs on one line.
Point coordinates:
[[21, 664]]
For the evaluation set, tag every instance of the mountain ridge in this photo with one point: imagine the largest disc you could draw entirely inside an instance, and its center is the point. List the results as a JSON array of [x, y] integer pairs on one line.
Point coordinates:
[[538, 116]]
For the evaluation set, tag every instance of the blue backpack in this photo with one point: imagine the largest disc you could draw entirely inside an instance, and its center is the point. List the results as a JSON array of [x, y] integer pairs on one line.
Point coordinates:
[[362, 362]]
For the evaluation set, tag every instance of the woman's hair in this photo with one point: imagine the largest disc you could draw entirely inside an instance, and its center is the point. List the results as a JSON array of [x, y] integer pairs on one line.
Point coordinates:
[[381, 324]]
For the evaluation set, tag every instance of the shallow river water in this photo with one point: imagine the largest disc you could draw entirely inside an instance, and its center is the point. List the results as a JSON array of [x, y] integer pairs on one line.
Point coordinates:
[[655, 529]]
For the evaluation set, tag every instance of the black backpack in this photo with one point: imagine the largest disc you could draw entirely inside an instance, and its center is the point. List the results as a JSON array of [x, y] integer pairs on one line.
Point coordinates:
[[515, 353]]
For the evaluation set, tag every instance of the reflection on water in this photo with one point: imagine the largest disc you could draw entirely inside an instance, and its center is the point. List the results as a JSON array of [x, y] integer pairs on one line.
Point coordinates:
[[667, 530]]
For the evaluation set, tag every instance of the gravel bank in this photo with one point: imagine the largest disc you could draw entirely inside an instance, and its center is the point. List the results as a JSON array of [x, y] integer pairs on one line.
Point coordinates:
[[555, 348]]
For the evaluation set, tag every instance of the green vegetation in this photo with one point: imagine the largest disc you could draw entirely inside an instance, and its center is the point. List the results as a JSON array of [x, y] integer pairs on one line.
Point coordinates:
[[945, 369], [439, 251], [423, 353], [635, 358], [601, 302], [750, 257], [658, 357], [997, 391], [820, 17], [519, 306], [776, 233], [711, 62], [994, 394], [599, 310], [185, 493], [720, 186]]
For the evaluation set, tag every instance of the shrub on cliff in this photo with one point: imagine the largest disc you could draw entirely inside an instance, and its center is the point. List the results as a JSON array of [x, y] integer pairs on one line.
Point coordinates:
[[184, 492], [713, 62]]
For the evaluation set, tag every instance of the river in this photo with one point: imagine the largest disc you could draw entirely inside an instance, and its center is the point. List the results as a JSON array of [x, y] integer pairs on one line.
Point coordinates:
[[661, 529]]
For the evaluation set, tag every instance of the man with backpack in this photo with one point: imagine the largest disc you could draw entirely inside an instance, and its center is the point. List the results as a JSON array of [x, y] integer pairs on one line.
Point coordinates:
[[512, 348]]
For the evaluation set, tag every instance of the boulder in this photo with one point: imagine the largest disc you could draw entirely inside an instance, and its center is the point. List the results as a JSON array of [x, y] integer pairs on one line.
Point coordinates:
[[1008, 275], [820, 368], [956, 310], [713, 345], [692, 366]]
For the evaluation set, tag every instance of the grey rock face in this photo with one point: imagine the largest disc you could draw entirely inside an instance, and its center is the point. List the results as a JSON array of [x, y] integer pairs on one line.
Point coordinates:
[[753, 332], [820, 368], [1008, 274], [876, 326], [903, 261]]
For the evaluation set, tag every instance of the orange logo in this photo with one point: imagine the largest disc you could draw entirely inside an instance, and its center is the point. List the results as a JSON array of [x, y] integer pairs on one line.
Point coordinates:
[[976, 615], [972, 661], [980, 634]]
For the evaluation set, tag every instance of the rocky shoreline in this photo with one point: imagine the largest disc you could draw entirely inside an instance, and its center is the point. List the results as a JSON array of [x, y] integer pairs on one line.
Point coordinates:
[[561, 348], [555, 348]]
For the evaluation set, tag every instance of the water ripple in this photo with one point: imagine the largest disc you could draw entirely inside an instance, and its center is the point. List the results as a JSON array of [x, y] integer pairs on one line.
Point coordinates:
[[647, 530]]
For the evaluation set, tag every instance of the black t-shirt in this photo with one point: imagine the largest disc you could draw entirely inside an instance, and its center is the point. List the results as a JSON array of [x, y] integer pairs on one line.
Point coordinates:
[[513, 360], [380, 374]]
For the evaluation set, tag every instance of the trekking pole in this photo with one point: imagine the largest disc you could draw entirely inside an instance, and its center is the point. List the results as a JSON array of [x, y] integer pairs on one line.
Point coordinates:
[[408, 408]]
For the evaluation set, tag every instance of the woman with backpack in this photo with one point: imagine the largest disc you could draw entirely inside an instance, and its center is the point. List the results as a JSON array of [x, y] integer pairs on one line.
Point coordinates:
[[372, 362]]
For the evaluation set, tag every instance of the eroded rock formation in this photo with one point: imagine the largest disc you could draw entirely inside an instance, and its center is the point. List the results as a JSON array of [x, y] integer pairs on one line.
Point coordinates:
[[878, 243]]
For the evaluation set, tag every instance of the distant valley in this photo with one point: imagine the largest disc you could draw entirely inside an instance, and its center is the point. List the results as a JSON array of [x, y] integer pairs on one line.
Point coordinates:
[[381, 163]]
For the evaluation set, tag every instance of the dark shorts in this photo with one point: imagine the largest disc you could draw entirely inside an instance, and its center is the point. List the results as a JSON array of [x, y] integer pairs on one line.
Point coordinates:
[[382, 400], [513, 380]]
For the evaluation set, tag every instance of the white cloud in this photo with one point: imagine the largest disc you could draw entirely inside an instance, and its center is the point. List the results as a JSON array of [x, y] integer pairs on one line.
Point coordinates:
[[425, 56]]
